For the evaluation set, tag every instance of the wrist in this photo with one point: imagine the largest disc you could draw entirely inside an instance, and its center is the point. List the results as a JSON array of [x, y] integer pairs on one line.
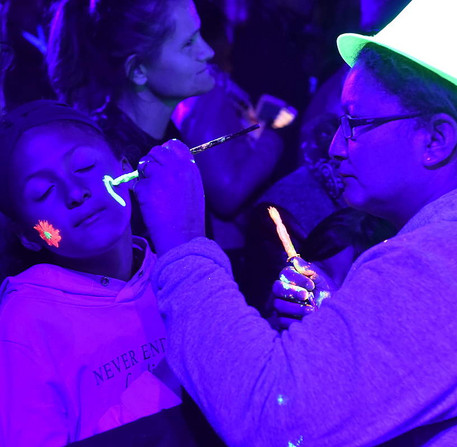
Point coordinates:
[[163, 245]]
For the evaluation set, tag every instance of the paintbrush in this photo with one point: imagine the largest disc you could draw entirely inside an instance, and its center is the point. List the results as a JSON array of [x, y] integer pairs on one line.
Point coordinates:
[[110, 182]]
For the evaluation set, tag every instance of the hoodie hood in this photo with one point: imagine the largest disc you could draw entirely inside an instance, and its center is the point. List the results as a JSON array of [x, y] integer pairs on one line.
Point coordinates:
[[48, 282]]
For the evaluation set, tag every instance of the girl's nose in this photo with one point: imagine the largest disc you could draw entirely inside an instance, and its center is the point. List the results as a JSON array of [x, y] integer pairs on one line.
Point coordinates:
[[77, 194]]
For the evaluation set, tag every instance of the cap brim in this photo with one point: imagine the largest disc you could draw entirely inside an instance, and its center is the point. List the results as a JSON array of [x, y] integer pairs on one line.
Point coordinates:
[[350, 44]]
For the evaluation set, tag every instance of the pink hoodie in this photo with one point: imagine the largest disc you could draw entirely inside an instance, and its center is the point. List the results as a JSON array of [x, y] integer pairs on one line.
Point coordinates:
[[80, 354]]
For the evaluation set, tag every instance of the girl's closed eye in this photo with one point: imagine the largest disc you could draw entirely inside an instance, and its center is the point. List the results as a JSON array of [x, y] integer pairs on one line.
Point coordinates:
[[38, 187], [40, 192], [86, 168], [83, 160]]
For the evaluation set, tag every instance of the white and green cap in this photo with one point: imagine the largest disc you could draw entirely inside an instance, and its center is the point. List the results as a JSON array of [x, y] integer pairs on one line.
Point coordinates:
[[425, 32]]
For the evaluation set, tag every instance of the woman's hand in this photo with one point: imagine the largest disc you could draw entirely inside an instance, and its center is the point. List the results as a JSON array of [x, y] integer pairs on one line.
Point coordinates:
[[300, 290], [170, 194]]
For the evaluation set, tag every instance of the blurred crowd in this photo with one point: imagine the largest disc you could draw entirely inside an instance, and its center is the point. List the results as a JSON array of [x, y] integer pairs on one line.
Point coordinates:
[[275, 54], [266, 57]]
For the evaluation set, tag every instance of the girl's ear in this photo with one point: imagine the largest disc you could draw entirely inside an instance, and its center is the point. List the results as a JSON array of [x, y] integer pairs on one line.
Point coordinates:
[[135, 71], [126, 166], [28, 243]]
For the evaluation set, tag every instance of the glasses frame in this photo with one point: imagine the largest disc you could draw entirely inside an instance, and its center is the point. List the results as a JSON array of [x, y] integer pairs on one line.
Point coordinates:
[[347, 122]]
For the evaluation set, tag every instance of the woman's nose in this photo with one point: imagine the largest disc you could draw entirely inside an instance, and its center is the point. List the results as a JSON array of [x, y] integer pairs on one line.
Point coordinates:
[[338, 146], [206, 52]]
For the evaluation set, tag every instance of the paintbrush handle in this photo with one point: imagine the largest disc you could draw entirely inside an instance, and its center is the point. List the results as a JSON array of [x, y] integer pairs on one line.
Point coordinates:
[[195, 150], [220, 140]]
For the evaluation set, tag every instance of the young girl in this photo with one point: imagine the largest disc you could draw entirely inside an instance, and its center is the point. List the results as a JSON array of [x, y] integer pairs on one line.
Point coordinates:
[[82, 344]]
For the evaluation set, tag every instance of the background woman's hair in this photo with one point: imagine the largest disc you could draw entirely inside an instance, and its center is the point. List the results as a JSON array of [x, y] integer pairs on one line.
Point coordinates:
[[418, 88], [90, 40]]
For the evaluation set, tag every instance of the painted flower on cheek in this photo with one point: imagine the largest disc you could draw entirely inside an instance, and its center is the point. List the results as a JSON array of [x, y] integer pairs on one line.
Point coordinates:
[[48, 233]]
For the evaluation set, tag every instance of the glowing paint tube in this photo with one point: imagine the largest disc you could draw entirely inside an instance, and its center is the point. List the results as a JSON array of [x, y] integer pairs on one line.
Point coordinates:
[[48, 233], [292, 256], [299, 264], [282, 233], [110, 182]]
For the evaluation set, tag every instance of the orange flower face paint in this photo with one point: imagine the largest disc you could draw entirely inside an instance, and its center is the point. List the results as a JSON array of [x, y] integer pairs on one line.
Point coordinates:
[[48, 233]]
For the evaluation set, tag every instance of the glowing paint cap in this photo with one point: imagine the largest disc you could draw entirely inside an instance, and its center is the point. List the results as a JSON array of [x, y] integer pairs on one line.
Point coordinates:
[[425, 32]]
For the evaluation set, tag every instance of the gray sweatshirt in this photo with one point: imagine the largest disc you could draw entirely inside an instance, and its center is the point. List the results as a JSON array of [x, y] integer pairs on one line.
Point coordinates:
[[379, 358]]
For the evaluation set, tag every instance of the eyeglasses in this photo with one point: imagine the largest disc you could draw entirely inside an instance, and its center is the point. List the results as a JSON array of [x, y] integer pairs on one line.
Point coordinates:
[[347, 123]]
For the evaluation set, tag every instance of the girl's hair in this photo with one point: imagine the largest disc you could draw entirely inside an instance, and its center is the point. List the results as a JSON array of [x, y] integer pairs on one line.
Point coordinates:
[[90, 40], [418, 88]]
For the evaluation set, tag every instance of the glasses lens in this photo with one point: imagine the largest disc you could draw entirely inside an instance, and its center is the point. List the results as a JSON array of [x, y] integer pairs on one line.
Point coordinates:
[[346, 126]]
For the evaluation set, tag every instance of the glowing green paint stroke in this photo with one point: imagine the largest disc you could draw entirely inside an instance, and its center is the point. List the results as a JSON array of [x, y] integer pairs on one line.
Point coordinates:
[[109, 182]]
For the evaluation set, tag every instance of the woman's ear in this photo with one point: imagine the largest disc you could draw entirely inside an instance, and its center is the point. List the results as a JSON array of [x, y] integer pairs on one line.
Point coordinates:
[[442, 140], [135, 70]]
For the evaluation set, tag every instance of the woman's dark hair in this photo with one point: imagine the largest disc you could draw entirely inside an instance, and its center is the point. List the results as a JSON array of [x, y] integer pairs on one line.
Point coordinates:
[[346, 227], [418, 88], [90, 40]]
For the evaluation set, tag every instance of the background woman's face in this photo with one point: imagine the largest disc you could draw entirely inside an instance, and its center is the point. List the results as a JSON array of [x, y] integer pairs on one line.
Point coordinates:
[[182, 68]]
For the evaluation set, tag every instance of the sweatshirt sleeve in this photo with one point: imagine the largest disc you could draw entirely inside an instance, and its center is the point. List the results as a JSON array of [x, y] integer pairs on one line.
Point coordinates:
[[31, 411], [352, 374]]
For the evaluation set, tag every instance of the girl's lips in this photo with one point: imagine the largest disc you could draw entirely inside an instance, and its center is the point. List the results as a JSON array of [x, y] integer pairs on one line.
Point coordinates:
[[89, 217]]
